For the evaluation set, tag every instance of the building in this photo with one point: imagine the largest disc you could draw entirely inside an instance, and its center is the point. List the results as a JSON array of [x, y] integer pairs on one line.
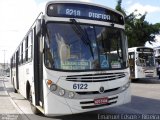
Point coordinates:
[[4, 69]]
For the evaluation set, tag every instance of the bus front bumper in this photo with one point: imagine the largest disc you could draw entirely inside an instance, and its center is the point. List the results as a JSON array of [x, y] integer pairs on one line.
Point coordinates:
[[56, 105]]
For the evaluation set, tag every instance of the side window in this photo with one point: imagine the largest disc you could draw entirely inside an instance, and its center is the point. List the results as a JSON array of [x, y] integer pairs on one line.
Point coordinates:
[[30, 39], [14, 61], [11, 62], [19, 55], [26, 49]]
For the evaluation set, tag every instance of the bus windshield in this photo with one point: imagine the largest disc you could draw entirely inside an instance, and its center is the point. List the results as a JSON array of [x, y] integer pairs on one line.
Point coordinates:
[[146, 59], [86, 47]]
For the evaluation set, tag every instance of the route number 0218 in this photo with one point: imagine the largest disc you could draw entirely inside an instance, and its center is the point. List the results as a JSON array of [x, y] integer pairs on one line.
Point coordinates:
[[73, 12], [80, 86]]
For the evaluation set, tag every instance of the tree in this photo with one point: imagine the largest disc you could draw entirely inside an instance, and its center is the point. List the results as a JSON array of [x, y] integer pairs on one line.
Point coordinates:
[[137, 29], [119, 8]]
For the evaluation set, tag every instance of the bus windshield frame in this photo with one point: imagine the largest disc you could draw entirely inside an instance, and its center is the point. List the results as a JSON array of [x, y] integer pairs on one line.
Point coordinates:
[[66, 48], [145, 59]]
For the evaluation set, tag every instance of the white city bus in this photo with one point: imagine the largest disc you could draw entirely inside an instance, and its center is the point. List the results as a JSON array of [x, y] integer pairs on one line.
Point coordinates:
[[142, 62], [65, 64], [157, 53], [157, 57]]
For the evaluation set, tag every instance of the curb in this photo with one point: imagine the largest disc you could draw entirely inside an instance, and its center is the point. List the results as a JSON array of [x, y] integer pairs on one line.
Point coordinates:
[[21, 113]]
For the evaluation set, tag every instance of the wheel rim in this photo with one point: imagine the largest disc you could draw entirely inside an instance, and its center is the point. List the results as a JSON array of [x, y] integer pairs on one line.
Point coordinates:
[[30, 96]]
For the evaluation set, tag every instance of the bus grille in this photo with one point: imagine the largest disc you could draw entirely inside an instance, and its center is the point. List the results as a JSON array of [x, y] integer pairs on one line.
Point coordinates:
[[96, 77], [97, 92], [90, 104]]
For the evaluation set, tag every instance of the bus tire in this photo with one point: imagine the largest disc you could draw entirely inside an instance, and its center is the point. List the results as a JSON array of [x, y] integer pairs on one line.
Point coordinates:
[[28, 88], [33, 108], [14, 89], [135, 80]]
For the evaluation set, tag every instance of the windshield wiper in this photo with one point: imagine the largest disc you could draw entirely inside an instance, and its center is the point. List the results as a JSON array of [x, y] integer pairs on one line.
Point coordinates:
[[82, 34]]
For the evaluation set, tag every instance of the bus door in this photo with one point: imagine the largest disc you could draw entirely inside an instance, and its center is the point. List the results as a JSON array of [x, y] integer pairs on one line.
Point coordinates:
[[132, 64], [38, 70]]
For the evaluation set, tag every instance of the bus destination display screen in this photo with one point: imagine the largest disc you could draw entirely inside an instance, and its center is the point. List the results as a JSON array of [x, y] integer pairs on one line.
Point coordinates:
[[144, 50], [73, 10]]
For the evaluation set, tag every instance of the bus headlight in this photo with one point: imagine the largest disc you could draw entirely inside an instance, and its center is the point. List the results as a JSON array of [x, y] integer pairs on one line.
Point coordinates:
[[71, 94], [53, 87], [61, 92]]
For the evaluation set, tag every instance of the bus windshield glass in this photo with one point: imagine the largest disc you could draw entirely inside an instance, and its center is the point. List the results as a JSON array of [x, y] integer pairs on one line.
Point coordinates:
[[146, 59], [84, 47]]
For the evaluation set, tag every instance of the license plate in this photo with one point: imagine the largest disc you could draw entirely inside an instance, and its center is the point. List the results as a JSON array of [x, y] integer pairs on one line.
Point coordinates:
[[149, 75], [99, 101]]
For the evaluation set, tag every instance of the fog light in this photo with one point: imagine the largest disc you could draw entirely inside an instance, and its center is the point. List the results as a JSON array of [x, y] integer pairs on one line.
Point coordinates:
[[128, 84], [71, 94], [123, 88], [53, 87], [61, 92]]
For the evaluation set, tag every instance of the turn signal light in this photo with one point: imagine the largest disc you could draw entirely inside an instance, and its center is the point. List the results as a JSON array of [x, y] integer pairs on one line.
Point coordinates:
[[49, 82]]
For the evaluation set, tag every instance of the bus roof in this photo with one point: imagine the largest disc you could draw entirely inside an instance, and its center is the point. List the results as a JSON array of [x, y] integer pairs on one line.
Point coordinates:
[[80, 2]]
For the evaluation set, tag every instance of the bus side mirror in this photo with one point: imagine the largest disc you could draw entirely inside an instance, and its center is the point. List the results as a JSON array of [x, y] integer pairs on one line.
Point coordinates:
[[43, 28], [38, 26]]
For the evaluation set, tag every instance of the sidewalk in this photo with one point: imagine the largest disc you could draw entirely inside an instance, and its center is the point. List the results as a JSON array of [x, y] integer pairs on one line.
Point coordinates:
[[6, 105], [8, 109]]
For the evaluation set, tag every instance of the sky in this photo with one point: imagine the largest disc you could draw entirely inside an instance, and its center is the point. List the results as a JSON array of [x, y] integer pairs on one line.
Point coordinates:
[[16, 17]]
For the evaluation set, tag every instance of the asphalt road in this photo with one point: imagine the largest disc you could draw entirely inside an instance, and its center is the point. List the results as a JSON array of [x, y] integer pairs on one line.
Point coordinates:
[[145, 105]]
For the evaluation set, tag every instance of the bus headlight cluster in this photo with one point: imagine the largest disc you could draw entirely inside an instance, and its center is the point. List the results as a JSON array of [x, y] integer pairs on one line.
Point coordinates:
[[124, 87], [60, 91]]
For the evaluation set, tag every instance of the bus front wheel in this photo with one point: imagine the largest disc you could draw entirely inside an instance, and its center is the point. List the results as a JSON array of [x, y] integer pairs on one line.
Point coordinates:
[[33, 108]]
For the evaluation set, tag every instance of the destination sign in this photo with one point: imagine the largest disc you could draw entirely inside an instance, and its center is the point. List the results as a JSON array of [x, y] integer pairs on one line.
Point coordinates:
[[144, 50], [83, 11], [75, 65]]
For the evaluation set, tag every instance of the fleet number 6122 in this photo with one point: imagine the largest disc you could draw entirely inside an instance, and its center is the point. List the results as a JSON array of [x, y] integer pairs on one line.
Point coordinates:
[[80, 86]]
